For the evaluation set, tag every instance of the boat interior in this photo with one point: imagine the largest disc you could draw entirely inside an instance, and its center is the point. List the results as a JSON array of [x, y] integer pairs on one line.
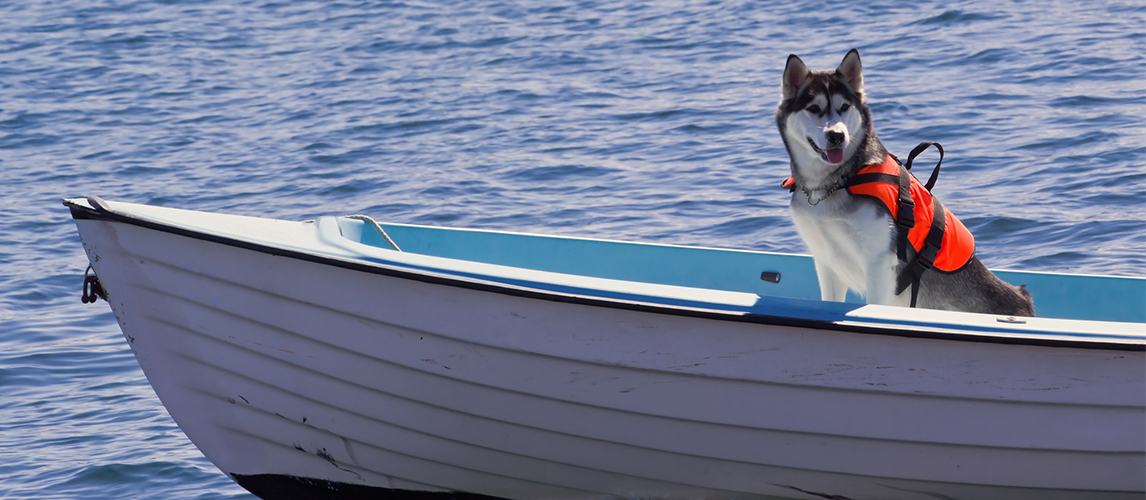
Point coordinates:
[[1064, 296]]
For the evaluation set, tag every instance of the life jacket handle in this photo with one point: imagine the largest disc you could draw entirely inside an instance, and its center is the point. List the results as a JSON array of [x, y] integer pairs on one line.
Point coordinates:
[[934, 173]]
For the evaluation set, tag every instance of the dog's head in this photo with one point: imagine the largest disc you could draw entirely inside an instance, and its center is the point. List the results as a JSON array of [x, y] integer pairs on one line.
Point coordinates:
[[822, 116]]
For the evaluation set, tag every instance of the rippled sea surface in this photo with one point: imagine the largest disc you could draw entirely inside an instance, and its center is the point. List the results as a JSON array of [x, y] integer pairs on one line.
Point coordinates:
[[647, 121]]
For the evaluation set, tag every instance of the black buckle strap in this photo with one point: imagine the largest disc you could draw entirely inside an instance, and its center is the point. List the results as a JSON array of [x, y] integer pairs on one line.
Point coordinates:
[[925, 260], [934, 173], [905, 218]]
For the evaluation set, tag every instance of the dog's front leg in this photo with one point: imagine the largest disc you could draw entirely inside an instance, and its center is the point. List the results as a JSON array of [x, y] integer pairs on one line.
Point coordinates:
[[832, 288], [880, 276]]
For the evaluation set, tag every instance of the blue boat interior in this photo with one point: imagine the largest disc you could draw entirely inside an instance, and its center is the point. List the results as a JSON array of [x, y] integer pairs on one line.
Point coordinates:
[[1102, 298]]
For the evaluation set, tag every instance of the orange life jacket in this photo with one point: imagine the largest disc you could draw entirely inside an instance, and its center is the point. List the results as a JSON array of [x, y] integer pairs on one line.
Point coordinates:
[[940, 242], [957, 245]]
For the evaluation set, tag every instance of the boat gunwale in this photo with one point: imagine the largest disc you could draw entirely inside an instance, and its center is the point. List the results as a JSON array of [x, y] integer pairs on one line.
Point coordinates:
[[100, 211]]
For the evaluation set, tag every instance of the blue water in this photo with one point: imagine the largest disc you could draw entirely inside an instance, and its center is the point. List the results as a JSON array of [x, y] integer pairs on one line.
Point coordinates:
[[647, 121]]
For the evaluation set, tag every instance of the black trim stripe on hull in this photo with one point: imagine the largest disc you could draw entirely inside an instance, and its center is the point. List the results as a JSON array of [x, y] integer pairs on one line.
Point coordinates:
[[282, 487], [102, 212]]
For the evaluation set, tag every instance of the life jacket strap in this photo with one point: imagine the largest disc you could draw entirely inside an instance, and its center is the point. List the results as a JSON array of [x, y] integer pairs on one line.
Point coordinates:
[[905, 218], [925, 259], [934, 173]]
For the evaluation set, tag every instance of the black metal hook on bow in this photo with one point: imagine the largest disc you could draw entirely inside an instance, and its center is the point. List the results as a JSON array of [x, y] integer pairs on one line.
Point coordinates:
[[92, 288]]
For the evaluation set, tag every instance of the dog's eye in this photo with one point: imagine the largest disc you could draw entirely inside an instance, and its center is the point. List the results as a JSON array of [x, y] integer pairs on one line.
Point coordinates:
[[814, 109], [845, 107]]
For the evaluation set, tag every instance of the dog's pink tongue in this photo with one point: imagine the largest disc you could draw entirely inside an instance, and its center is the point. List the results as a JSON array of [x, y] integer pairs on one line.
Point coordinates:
[[835, 155]]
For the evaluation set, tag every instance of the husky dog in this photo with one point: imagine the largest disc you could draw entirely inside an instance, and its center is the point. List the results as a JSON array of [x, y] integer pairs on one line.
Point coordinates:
[[827, 129]]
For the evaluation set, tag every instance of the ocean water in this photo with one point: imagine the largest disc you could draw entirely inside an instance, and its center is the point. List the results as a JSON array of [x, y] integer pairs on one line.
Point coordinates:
[[634, 120]]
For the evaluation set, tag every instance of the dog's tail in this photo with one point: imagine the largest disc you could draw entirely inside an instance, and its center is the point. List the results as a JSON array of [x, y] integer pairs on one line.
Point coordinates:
[[1028, 304]]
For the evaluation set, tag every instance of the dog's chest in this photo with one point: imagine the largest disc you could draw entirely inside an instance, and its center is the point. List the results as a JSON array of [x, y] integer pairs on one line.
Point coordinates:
[[842, 228]]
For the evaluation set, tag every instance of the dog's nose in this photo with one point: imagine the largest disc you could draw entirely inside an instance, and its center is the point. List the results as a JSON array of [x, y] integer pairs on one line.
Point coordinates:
[[835, 138]]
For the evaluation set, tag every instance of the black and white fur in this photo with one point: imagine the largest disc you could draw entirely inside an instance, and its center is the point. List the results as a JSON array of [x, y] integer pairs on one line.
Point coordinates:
[[827, 128]]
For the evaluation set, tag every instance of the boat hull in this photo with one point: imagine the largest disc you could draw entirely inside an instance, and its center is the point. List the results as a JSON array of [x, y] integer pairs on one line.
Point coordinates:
[[363, 378]]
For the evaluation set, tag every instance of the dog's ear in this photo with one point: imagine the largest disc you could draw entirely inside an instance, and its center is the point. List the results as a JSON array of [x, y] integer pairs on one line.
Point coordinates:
[[851, 71], [794, 75]]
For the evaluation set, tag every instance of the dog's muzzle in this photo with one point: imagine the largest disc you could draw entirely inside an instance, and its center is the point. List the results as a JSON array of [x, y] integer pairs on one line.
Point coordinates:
[[832, 155]]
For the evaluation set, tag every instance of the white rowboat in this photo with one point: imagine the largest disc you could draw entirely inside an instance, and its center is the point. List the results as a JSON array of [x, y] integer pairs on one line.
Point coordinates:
[[314, 360]]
